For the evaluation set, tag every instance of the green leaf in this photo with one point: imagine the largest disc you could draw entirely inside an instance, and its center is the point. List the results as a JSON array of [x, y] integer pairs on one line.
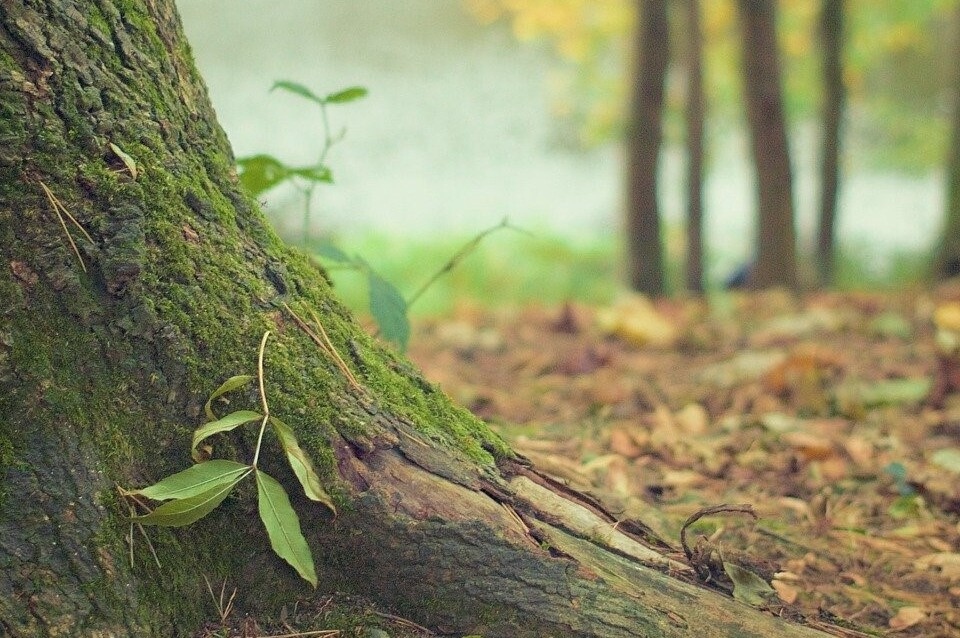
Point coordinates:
[[906, 506], [389, 310], [346, 95], [748, 587], [319, 173], [126, 159], [329, 251], [227, 423], [283, 527], [896, 392], [947, 458], [229, 385], [301, 465], [297, 89], [195, 480], [188, 510], [260, 173]]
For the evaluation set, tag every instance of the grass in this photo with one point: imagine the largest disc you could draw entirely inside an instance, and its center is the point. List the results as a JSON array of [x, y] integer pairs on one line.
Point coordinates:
[[508, 268], [514, 269]]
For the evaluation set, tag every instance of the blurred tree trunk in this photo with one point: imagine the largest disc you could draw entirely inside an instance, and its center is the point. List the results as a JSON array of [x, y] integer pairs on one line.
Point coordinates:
[[831, 33], [112, 337], [643, 138], [776, 243], [695, 120], [948, 258]]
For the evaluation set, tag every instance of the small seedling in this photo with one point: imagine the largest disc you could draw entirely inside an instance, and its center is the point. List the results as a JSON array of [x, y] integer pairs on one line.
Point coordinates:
[[195, 492], [260, 173]]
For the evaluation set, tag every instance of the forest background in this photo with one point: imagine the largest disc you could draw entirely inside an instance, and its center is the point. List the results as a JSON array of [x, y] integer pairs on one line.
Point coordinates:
[[543, 88]]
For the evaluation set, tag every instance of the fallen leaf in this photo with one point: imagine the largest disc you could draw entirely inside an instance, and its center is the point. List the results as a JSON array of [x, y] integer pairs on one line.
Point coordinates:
[[787, 593], [947, 458], [747, 586], [907, 617], [636, 321], [947, 316], [947, 563], [622, 443], [692, 419], [810, 446]]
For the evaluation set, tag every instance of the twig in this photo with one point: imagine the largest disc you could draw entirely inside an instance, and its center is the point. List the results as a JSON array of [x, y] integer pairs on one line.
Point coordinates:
[[149, 544], [57, 207], [711, 511], [336, 355], [458, 257], [305, 634], [403, 621], [263, 398], [223, 611], [326, 345]]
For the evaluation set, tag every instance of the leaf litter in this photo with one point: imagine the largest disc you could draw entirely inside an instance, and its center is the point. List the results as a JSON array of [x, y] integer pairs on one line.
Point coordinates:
[[836, 417]]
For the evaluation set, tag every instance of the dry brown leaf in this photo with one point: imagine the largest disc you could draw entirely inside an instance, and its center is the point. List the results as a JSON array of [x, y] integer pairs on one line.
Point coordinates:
[[907, 617], [860, 450], [948, 564], [682, 479], [622, 443], [692, 419], [810, 446], [787, 593], [636, 321]]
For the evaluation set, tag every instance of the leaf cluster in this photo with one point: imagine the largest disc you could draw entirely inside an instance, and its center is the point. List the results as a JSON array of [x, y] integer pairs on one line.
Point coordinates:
[[259, 173], [196, 491]]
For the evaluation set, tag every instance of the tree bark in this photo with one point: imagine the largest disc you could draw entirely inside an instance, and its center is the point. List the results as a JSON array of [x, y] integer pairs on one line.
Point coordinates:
[[695, 116], [108, 353], [644, 247], [776, 243], [831, 33]]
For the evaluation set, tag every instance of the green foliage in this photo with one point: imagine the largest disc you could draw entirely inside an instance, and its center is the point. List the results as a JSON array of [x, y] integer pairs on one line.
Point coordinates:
[[198, 490], [260, 173], [516, 269], [283, 527], [389, 308]]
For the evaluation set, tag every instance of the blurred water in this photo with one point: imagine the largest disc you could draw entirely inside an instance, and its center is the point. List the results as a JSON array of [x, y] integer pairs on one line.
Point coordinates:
[[456, 132]]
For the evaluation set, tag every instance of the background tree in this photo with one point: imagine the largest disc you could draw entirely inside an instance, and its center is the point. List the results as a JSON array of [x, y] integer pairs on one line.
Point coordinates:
[[643, 137], [948, 257], [695, 171], [776, 243], [831, 33], [137, 276]]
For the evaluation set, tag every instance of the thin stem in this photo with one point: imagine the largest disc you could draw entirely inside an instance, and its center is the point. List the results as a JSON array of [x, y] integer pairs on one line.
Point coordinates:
[[263, 398], [457, 257]]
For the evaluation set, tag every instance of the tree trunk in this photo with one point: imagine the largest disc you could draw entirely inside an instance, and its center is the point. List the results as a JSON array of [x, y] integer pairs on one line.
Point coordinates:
[[644, 248], [831, 33], [108, 353], [695, 117], [776, 244], [948, 257]]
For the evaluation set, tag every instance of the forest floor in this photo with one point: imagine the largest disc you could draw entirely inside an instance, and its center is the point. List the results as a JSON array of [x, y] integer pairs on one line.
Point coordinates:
[[824, 415], [836, 419]]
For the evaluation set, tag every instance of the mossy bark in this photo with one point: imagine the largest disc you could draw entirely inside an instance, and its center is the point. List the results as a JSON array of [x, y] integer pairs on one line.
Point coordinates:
[[107, 355]]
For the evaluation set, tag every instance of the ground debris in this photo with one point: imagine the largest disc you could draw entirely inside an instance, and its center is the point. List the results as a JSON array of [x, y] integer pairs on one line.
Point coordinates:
[[815, 412]]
